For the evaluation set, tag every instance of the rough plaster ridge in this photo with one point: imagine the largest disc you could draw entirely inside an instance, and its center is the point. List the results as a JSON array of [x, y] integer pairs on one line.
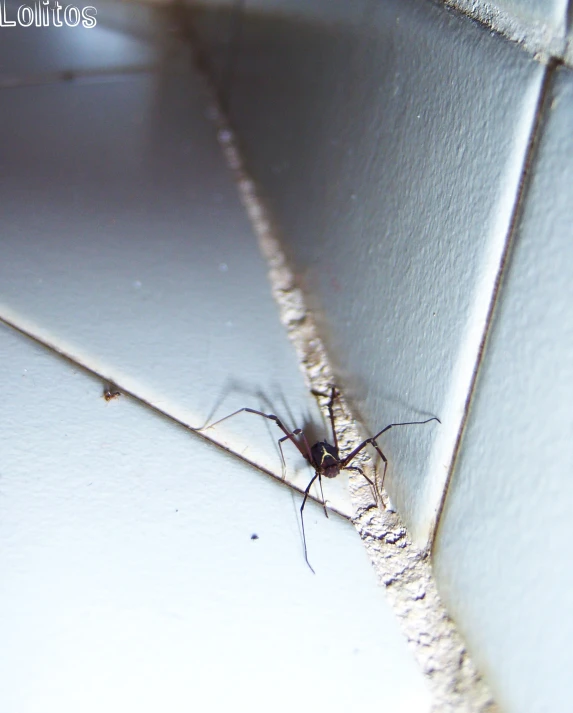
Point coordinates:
[[542, 40], [405, 571]]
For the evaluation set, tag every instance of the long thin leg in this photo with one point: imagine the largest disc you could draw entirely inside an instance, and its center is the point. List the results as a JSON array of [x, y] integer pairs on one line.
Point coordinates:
[[362, 473], [280, 442], [372, 440], [375, 492], [271, 417], [322, 495], [333, 394], [298, 432], [306, 492]]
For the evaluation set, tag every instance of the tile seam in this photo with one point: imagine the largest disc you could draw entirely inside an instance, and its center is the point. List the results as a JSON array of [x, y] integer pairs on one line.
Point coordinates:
[[403, 570], [68, 76], [78, 363], [521, 195]]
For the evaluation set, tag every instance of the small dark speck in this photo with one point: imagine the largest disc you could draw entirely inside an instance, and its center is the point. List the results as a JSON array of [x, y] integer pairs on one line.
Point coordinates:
[[254, 536]]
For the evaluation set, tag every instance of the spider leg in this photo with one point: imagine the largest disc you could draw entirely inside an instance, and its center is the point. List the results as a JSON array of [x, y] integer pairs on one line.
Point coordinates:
[[324, 395], [333, 395], [362, 473], [375, 492], [372, 441], [296, 432], [288, 434], [322, 495], [306, 492]]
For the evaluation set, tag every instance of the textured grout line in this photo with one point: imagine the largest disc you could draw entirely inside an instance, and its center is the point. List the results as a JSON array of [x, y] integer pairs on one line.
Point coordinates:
[[404, 570], [113, 385], [541, 40]]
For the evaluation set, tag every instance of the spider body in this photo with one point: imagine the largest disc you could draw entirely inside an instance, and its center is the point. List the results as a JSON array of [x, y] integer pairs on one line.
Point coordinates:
[[110, 391], [324, 457]]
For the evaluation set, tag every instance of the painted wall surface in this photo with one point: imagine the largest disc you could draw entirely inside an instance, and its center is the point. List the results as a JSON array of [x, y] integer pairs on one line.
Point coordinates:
[[395, 148], [142, 567], [390, 151], [502, 552]]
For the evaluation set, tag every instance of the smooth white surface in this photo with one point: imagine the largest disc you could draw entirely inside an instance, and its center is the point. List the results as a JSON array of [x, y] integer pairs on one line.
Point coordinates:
[[130, 580], [36, 51], [338, 10], [503, 552], [124, 245], [390, 152]]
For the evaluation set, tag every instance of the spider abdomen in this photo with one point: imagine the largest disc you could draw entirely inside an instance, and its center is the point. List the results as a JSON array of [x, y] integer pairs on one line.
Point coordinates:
[[325, 459]]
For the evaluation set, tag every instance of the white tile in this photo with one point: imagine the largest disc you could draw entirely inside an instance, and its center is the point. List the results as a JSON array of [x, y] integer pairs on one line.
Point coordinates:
[[337, 10], [569, 46], [130, 580], [125, 246], [38, 51], [502, 554], [150, 21], [390, 153]]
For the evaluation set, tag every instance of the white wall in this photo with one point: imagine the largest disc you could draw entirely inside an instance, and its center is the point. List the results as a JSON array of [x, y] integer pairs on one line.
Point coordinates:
[[419, 166]]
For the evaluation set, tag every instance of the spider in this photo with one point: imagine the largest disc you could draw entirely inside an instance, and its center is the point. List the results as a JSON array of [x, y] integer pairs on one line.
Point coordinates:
[[110, 391], [324, 457]]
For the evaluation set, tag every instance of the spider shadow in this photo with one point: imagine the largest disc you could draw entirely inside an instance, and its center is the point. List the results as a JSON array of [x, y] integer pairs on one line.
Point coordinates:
[[273, 401]]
